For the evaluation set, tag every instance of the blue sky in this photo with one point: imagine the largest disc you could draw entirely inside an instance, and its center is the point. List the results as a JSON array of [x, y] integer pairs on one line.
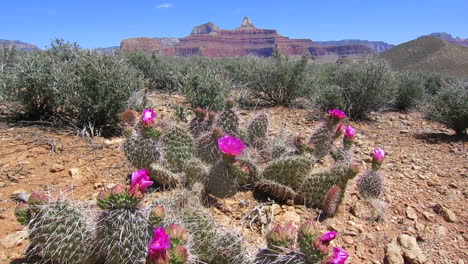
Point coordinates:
[[105, 23]]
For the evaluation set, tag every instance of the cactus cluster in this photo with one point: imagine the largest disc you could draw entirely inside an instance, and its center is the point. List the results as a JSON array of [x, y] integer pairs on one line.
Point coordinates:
[[304, 246]]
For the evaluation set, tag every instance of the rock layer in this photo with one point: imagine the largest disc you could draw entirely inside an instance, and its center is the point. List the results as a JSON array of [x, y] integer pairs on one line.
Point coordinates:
[[212, 41]]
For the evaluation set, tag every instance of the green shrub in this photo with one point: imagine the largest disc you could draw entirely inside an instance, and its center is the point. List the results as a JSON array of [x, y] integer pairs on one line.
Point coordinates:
[[450, 106], [205, 87], [366, 84], [95, 87], [410, 91], [29, 87], [87, 89], [277, 80]]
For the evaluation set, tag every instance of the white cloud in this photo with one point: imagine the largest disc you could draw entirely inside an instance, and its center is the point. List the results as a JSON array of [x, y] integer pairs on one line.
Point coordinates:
[[166, 5]]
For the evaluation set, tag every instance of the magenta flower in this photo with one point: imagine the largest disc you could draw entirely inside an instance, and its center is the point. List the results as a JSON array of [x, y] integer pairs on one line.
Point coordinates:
[[339, 256], [329, 236], [231, 146], [148, 117], [336, 114], [350, 132], [159, 245], [379, 155], [141, 180]]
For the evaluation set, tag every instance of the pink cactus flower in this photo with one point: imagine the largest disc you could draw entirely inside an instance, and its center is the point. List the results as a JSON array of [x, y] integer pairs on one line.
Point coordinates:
[[350, 133], [336, 114], [329, 236], [231, 146], [140, 180], [159, 245], [148, 117], [379, 155], [339, 256]]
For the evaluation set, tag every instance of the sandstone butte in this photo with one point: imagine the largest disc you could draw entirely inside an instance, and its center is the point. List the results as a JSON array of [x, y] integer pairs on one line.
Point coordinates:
[[211, 41]]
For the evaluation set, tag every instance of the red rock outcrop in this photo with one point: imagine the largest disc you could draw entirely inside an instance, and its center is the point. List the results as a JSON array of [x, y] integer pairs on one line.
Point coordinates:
[[211, 41]]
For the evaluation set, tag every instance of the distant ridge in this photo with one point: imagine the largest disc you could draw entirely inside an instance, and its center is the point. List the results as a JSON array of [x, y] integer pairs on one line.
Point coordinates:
[[447, 37], [27, 47], [429, 54], [377, 46]]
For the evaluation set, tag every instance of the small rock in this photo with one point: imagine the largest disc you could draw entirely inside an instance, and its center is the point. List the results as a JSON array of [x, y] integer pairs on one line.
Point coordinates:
[[348, 240], [2, 184], [411, 213], [412, 253], [57, 167], [12, 239], [440, 230], [394, 254], [75, 173], [446, 213]]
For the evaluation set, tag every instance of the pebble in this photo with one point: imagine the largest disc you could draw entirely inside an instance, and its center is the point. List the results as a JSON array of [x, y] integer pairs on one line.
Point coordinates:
[[446, 213], [411, 213], [57, 167], [75, 173], [394, 254], [11, 240], [440, 230]]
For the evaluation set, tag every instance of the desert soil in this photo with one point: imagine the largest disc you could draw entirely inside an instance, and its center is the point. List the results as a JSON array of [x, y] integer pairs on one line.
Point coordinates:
[[425, 171]]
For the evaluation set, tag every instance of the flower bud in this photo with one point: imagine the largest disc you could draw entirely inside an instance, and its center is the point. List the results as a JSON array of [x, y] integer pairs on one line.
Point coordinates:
[[336, 115], [179, 255], [340, 130], [281, 236], [377, 158], [117, 189], [200, 113], [38, 198], [177, 234], [157, 215]]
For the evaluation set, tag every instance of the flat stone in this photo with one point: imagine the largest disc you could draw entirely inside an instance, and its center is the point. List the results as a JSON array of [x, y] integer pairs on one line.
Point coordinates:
[[394, 254], [11, 240], [412, 253], [446, 213], [57, 167], [75, 173], [411, 213]]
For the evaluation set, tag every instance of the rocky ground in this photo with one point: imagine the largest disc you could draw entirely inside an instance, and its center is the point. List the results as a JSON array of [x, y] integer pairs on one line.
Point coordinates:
[[425, 218]]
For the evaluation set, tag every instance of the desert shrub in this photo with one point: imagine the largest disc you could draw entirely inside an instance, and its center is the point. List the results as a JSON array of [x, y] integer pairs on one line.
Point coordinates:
[[432, 82], [277, 80], [29, 87], [86, 89], [410, 91], [205, 87], [160, 72], [95, 87], [450, 106], [366, 84]]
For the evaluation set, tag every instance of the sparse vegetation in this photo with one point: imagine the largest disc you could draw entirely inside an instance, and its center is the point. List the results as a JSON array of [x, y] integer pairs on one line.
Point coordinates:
[[449, 106], [410, 91]]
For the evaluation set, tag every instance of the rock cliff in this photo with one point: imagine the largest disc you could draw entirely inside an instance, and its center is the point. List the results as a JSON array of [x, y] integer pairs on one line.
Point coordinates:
[[212, 41]]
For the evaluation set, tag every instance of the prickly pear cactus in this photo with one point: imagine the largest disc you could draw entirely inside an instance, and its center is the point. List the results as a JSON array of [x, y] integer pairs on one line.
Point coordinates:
[[213, 244], [315, 187], [62, 233], [289, 170], [200, 123], [332, 201], [141, 152], [163, 176], [123, 236], [228, 121], [279, 192], [195, 171], [322, 139], [256, 130], [178, 146], [222, 181], [207, 146]]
